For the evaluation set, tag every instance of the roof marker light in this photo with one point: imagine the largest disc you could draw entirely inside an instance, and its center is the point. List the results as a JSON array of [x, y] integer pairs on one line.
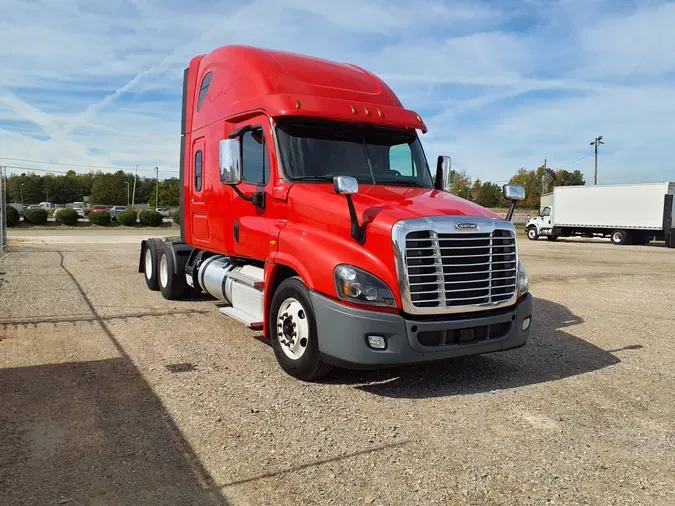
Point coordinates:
[[298, 105], [419, 119], [354, 111], [367, 111], [380, 113]]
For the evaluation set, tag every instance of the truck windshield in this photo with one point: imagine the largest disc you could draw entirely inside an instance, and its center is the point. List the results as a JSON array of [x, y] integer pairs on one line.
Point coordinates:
[[312, 150]]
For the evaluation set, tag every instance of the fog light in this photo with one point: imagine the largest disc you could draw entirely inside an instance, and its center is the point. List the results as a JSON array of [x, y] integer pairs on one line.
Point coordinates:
[[526, 323], [377, 342]]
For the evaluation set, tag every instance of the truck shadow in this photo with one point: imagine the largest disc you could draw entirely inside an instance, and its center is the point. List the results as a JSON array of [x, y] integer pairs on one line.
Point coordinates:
[[93, 433], [550, 354]]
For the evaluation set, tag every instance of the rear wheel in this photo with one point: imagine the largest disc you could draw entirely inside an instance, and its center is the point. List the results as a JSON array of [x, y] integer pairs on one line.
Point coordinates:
[[171, 285], [619, 237], [293, 332], [552, 237], [532, 234], [151, 262]]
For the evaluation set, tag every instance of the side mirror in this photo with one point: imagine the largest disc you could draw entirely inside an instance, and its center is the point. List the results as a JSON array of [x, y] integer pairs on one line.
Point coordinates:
[[230, 161], [348, 186], [514, 192], [345, 185], [443, 169]]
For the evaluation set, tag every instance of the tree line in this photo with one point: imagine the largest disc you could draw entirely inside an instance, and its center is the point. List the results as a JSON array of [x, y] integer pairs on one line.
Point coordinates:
[[101, 188], [536, 181], [111, 188]]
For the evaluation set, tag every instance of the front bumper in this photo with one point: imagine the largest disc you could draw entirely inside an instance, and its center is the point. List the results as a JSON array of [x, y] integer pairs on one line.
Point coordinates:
[[343, 332]]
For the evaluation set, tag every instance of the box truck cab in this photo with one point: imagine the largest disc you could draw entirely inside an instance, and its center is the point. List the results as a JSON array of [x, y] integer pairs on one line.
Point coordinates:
[[308, 209]]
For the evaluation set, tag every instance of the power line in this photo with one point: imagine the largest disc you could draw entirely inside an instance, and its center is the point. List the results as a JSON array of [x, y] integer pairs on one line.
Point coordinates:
[[78, 164], [575, 161]]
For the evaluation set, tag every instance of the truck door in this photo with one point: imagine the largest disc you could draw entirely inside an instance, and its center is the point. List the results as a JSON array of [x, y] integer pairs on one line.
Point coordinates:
[[251, 223], [546, 218], [198, 215]]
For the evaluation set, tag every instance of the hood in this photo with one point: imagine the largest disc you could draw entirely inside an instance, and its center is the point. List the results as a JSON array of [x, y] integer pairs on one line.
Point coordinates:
[[380, 206]]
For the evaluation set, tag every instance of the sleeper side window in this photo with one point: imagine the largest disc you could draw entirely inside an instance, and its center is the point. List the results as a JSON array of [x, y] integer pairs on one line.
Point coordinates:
[[255, 162], [198, 170], [203, 89]]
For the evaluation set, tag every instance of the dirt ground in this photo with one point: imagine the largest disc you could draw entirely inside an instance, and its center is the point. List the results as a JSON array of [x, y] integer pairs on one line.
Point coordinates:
[[111, 395]]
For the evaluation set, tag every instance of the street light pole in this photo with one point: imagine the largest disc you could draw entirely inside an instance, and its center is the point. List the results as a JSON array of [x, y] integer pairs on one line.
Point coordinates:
[[21, 194], [127, 193], [598, 140], [157, 188]]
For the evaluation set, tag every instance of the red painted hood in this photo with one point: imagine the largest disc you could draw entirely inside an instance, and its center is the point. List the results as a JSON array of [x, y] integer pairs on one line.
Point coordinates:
[[379, 206]]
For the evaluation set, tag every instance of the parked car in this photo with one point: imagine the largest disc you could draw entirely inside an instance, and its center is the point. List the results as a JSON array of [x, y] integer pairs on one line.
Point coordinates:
[[79, 211], [116, 210], [34, 206], [99, 209], [163, 211]]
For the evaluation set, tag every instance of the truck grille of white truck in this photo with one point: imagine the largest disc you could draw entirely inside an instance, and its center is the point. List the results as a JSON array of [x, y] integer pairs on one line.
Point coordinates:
[[456, 270]]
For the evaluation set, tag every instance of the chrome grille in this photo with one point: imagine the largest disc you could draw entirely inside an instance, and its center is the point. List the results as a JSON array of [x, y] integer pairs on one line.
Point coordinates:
[[447, 270]]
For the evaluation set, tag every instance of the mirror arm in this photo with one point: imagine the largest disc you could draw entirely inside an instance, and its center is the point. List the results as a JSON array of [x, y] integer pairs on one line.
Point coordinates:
[[239, 132], [358, 232], [512, 208], [258, 198]]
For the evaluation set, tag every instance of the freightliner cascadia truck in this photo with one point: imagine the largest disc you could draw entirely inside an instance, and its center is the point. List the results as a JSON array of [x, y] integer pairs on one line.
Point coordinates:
[[309, 211]]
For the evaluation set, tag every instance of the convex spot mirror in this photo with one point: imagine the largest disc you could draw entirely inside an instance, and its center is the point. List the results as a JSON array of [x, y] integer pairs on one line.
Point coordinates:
[[513, 192]]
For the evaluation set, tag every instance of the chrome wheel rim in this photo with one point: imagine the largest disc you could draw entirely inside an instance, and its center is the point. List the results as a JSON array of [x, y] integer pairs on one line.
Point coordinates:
[[148, 263], [163, 271], [292, 328]]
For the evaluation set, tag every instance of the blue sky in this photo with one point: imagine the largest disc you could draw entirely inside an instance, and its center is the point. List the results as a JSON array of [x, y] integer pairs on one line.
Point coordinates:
[[501, 85]]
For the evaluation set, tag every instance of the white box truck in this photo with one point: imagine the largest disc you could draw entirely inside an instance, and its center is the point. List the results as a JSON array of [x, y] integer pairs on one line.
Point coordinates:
[[626, 213]]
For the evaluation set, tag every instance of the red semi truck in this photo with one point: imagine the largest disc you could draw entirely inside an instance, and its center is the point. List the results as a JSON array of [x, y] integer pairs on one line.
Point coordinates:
[[308, 209]]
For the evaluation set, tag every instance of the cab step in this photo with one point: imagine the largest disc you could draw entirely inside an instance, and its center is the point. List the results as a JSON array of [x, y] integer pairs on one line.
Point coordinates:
[[251, 321]]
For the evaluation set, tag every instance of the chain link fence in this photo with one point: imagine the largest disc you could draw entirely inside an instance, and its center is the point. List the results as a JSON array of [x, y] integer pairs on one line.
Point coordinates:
[[3, 211]]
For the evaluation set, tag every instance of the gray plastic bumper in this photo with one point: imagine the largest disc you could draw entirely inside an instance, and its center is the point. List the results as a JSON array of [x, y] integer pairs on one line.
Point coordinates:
[[343, 334]]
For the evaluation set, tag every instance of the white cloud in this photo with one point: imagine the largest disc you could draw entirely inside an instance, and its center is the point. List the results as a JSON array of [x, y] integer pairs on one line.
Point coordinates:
[[500, 87]]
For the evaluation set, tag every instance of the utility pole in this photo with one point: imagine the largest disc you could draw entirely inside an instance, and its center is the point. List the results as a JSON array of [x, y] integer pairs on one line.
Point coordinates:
[[543, 179], [21, 195], [127, 193], [133, 197], [598, 140], [157, 188]]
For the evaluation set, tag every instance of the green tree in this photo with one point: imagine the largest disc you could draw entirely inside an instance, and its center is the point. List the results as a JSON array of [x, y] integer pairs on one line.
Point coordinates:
[[169, 193], [461, 183], [109, 189], [489, 195], [566, 178], [532, 184]]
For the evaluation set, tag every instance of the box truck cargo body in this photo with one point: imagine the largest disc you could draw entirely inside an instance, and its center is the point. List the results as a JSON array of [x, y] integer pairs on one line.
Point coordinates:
[[627, 213]]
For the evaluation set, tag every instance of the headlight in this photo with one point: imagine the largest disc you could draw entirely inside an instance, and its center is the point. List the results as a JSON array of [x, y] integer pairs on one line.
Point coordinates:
[[355, 285], [523, 281]]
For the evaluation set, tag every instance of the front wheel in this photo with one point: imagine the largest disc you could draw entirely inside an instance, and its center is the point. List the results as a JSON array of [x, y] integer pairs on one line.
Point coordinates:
[[532, 234], [293, 332]]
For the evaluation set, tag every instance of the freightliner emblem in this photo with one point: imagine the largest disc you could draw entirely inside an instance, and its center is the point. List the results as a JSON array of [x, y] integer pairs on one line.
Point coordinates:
[[463, 226]]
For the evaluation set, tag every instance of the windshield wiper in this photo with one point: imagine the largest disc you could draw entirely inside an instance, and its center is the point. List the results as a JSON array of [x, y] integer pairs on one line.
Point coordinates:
[[312, 178], [399, 182]]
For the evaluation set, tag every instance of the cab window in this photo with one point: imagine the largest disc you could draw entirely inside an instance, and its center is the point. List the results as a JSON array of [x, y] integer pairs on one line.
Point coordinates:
[[255, 162], [546, 211]]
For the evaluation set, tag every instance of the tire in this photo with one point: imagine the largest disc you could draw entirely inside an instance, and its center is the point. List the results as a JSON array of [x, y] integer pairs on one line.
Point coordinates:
[[291, 312], [171, 285], [150, 263], [532, 234], [619, 237], [552, 237]]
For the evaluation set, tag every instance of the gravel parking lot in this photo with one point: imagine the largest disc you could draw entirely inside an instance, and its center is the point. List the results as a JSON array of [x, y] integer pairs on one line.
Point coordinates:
[[112, 395]]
